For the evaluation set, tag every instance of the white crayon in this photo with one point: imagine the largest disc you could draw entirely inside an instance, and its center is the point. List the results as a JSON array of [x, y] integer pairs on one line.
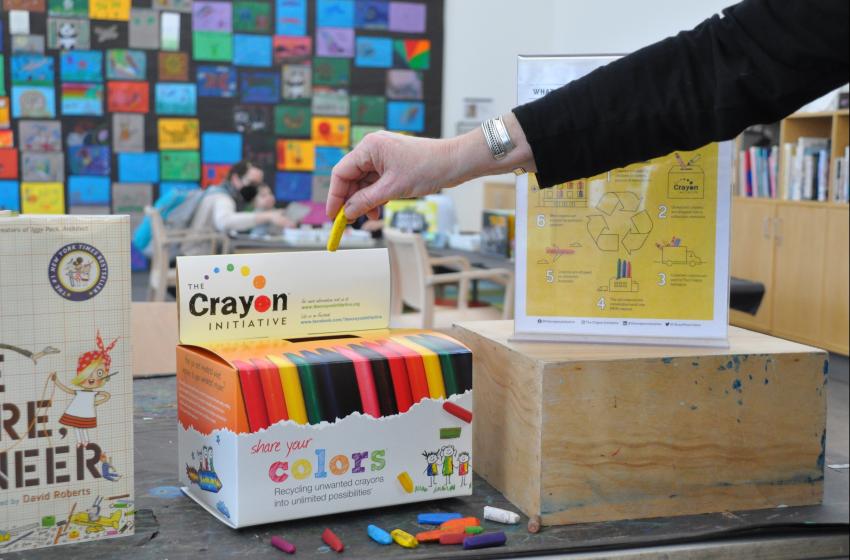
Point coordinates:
[[500, 515]]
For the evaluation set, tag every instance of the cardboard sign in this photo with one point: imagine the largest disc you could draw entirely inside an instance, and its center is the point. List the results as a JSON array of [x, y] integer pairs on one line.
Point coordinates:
[[293, 305]]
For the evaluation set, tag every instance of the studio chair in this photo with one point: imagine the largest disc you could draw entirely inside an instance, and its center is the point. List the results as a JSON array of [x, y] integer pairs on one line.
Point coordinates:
[[414, 283], [164, 246]]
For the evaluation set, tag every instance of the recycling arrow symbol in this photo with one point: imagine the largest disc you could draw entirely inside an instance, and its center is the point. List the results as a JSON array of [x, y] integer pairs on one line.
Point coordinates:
[[631, 235]]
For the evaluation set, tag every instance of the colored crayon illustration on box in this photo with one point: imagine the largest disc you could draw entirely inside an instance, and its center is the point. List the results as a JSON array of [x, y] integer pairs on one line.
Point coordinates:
[[285, 415], [66, 452]]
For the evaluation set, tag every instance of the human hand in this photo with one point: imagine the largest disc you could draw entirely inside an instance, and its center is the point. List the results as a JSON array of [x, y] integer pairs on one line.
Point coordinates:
[[277, 218], [283, 221], [387, 166]]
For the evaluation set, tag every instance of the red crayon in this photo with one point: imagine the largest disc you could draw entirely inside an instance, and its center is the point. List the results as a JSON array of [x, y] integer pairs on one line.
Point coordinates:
[[270, 379], [283, 545], [458, 411], [398, 371], [365, 380], [415, 369], [332, 540], [451, 537], [252, 393]]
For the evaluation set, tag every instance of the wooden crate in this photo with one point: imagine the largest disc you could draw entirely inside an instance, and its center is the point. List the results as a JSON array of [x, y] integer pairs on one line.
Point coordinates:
[[580, 432]]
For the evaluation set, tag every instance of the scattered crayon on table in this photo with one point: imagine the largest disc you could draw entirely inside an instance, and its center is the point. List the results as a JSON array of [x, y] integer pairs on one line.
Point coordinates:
[[332, 540], [406, 482], [404, 539], [379, 535], [474, 530], [485, 541], [459, 524], [458, 411], [449, 433], [430, 536], [449, 537], [436, 518], [283, 545], [500, 515]]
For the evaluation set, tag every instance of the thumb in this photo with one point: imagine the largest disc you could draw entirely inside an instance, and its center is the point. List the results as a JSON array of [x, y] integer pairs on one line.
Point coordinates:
[[368, 198]]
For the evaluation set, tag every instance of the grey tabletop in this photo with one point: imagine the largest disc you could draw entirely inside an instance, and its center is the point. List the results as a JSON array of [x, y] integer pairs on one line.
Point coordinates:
[[170, 526]]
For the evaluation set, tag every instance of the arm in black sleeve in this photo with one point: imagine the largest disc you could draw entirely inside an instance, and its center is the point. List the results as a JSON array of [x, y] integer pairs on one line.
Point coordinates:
[[757, 63]]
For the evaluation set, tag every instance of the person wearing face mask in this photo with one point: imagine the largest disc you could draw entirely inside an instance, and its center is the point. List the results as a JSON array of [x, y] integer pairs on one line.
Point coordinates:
[[228, 207]]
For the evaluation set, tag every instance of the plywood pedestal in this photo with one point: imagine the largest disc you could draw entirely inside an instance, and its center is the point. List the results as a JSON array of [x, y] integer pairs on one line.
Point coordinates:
[[578, 432]]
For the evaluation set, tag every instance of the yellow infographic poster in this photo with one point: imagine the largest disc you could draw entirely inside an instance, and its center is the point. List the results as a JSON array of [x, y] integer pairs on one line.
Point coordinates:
[[637, 254]]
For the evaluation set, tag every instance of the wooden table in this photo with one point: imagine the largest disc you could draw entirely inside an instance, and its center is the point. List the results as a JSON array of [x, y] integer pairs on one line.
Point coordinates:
[[169, 525]]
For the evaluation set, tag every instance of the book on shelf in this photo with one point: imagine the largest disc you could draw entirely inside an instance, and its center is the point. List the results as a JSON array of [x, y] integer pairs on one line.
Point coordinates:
[[840, 177], [805, 169], [757, 172]]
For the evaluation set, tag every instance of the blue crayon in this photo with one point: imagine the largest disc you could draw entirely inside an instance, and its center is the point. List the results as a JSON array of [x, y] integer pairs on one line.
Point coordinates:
[[379, 535], [436, 518], [485, 540]]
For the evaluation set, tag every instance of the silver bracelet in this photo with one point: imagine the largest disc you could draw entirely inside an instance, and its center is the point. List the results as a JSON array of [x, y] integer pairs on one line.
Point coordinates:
[[502, 130], [499, 141], [494, 139]]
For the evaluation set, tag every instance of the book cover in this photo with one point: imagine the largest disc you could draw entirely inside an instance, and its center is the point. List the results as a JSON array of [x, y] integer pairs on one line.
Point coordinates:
[[497, 232], [822, 175], [787, 161], [773, 169], [66, 440]]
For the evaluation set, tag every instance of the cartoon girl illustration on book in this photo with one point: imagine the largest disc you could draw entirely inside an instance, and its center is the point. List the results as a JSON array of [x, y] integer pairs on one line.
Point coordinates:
[[92, 374]]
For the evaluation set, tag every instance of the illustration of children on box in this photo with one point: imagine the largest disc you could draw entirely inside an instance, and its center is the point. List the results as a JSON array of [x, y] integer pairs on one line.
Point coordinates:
[[432, 469], [448, 453], [92, 374], [463, 467], [204, 475]]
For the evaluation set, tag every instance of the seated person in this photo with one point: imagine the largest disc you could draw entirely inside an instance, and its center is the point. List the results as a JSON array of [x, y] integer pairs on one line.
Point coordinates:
[[224, 207], [264, 201]]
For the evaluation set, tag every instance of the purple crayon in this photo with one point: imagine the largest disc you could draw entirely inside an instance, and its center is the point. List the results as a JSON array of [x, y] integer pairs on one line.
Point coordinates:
[[484, 541], [283, 545]]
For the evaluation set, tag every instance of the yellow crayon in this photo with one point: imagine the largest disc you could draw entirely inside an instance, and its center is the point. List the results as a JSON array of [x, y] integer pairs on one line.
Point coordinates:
[[292, 394], [433, 371], [340, 223], [404, 539], [406, 482]]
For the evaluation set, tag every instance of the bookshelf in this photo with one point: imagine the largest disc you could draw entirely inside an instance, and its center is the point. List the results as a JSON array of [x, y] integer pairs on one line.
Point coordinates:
[[799, 249]]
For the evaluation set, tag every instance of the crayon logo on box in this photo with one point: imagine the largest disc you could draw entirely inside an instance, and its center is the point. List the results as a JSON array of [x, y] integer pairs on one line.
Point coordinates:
[[237, 306], [78, 271]]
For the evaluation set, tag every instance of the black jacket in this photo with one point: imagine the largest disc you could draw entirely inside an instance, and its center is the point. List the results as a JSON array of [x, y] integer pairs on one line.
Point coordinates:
[[758, 62]]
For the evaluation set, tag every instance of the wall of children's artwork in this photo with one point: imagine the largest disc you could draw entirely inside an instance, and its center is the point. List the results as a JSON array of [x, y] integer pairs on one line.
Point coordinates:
[[107, 104]]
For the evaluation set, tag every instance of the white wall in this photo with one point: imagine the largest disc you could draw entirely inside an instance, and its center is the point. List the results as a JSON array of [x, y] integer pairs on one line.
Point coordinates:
[[484, 37]]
